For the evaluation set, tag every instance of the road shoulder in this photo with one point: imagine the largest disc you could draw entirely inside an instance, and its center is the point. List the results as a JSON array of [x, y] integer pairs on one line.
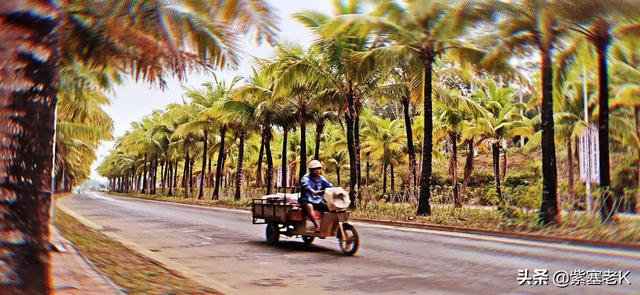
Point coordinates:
[[138, 269], [73, 273]]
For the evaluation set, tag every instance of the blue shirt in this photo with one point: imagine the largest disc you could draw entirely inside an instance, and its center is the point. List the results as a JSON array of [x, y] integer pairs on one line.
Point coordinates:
[[307, 182]]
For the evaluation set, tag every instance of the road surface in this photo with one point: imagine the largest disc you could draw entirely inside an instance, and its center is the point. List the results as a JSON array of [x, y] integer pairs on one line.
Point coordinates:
[[224, 245]]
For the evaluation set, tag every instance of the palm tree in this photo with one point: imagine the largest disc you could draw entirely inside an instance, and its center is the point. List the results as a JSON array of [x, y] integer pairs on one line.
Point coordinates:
[[206, 102], [502, 121], [241, 116], [569, 79], [217, 94], [526, 25], [257, 102], [626, 72], [81, 124], [401, 85], [383, 141], [335, 152], [296, 89], [596, 24], [286, 119], [342, 69], [426, 30], [455, 110], [103, 34], [321, 118]]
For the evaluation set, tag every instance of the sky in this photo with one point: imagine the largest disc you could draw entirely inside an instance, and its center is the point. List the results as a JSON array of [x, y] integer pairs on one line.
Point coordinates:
[[132, 100]]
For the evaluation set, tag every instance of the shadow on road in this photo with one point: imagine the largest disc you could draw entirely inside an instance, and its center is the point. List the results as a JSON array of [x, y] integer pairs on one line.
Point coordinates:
[[297, 246]]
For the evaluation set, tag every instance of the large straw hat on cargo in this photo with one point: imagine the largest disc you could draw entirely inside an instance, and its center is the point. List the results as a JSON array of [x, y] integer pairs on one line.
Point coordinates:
[[337, 198]]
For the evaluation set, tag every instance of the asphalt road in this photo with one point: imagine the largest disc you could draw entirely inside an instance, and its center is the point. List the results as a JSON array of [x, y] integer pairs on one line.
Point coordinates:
[[225, 245]]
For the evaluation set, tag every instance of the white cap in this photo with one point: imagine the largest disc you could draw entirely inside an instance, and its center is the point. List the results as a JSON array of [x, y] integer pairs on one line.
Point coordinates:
[[315, 164]]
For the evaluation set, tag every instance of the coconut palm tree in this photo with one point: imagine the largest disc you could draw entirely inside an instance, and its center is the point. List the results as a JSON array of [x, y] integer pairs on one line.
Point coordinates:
[[335, 152], [426, 30], [454, 109], [384, 141], [207, 102], [81, 123], [596, 24], [626, 73], [344, 71], [214, 97], [256, 101], [294, 88], [401, 85], [525, 26], [104, 34], [502, 121], [242, 119]]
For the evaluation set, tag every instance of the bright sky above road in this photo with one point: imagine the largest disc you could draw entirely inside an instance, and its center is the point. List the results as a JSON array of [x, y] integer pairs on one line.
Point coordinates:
[[131, 101]]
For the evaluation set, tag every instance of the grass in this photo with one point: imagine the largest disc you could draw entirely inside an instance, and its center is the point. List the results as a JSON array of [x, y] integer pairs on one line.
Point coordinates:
[[125, 267], [575, 225]]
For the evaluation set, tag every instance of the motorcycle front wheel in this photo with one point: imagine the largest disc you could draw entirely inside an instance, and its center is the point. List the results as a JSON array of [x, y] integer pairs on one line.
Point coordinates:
[[351, 242]]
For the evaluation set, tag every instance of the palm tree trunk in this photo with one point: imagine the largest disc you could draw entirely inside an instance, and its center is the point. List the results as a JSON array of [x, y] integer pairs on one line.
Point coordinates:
[[185, 170], [503, 171], [424, 207], [204, 162], [189, 188], [352, 155], [216, 187], [165, 181], [162, 170], [169, 176], [351, 147], [144, 173], [27, 115], [267, 147], [284, 158], [240, 168], [319, 128], [209, 175], [637, 114], [155, 175], [259, 169], [571, 181], [409, 130], [132, 178], [366, 171], [193, 162], [495, 148], [356, 143], [338, 175], [549, 206], [173, 182], [454, 169], [607, 208], [468, 166], [291, 176], [303, 144], [393, 180], [384, 178]]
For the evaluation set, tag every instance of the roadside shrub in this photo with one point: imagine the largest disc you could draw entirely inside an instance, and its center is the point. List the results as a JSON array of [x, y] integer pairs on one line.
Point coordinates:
[[529, 196], [518, 178]]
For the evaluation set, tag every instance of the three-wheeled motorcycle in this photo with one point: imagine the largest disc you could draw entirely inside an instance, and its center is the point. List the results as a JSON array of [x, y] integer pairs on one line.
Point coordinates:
[[283, 216]]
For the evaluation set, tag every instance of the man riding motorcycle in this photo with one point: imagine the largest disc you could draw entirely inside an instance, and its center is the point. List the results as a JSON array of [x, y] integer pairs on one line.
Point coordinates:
[[312, 187]]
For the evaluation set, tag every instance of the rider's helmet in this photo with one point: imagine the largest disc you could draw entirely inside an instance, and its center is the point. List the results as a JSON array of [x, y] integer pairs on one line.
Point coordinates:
[[315, 164]]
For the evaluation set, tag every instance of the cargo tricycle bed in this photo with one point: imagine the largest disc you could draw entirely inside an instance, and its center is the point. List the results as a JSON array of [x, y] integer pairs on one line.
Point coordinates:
[[283, 216]]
